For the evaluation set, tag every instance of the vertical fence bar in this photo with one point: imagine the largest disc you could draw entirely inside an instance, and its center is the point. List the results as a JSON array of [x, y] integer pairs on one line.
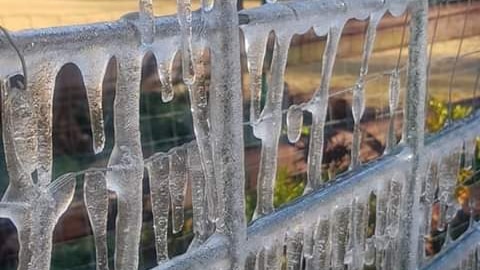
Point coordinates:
[[226, 113], [414, 127]]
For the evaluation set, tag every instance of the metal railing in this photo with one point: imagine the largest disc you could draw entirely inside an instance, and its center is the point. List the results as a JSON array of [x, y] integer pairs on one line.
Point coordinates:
[[324, 228]]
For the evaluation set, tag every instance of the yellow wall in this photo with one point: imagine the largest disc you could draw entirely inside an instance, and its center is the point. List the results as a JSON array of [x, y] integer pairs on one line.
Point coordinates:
[[24, 14]]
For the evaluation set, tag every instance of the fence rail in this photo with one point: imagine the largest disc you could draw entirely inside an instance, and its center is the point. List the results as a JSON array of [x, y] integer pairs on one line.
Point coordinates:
[[326, 227]]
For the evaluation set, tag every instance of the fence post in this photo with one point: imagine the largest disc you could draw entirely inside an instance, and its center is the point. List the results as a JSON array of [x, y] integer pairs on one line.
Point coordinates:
[[226, 113], [414, 127]]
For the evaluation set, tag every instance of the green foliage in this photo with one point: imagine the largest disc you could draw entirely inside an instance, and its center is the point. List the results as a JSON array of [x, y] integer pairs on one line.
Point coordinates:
[[286, 188], [438, 114]]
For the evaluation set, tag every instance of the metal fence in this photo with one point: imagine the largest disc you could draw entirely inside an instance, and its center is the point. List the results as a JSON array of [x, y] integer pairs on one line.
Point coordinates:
[[327, 227]]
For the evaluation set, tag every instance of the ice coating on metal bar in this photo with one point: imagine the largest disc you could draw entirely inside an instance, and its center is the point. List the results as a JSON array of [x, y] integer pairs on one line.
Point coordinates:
[[268, 128], [146, 22], [198, 93], [358, 100], [184, 14], [125, 173], [202, 228], [414, 136], [318, 107], [95, 195], [158, 172], [294, 123], [177, 185]]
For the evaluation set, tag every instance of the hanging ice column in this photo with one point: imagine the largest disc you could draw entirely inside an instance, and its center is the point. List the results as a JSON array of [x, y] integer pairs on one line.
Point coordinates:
[[126, 161], [195, 76], [358, 101], [318, 107], [34, 208], [268, 126], [227, 125], [414, 129]]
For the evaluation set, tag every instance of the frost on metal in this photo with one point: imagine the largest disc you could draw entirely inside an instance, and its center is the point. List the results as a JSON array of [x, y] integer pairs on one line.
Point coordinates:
[[324, 229]]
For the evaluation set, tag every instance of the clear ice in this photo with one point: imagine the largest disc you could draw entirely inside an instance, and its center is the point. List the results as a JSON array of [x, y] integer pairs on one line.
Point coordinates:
[[268, 128], [95, 195], [158, 171], [358, 100], [318, 107]]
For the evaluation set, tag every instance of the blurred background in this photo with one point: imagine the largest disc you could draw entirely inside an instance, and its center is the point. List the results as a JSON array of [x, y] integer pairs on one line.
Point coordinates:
[[454, 71]]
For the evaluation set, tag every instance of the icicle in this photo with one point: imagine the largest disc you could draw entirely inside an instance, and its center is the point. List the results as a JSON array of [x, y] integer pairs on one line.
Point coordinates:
[[177, 185], [471, 261], [250, 261], [339, 237], [294, 123], [448, 173], [184, 13], [261, 259], [201, 225], [95, 196], [125, 165], [274, 255], [370, 251], [394, 97], [356, 242], [198, 93], [323, 244], [294, 250], [165, 74], [469, 153], [146, 22], [381, 223], [255, 49], [358, 101], [158, 172], [41, 84], [308, 243], [207, 5], [165, 52], [268, 129], [93, 75], [392, 223], [318, 107], [427, 200]]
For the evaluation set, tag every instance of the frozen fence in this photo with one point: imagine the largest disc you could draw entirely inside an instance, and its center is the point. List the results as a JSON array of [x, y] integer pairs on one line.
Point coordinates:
[[326, 228]]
